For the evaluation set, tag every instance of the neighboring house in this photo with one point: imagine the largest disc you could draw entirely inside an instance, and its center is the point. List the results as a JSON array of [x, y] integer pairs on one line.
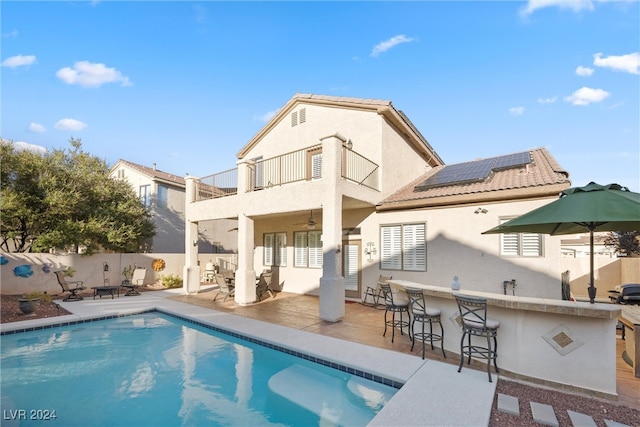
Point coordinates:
[[579, 246], [164, 194], [333, 191]]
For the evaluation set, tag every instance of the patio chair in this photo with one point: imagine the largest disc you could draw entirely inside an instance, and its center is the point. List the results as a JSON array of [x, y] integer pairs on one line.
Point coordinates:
[[137, 279], [229, 276], [394, 304], [375, 293], [424, 315], [224, 288], [263, 285], [474, 321], [71, 287]]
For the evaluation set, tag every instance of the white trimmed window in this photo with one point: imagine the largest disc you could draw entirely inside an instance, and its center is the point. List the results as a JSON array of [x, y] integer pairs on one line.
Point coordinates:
[[163, 196], [275, 249], [404, 247], [308, 249], [145, 195], [520, 244]]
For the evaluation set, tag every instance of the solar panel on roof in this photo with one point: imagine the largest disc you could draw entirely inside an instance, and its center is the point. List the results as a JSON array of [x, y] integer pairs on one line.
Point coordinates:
[[474, 171]]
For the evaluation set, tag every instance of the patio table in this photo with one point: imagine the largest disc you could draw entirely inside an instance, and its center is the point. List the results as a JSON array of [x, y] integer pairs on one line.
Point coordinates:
[[106, 290]]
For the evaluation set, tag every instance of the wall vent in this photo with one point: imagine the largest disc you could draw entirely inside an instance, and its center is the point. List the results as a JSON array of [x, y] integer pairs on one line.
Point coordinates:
[[294, 118]]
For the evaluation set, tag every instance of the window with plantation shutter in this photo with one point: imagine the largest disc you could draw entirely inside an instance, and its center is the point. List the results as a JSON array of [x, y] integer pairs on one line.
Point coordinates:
[[281, 249], [267, 258], [403, 247], [275, 249], [520, 244], [391, 252], [414, 247], [316, 166], [531, 244], [301, 249], [315, 249], [307, 249]]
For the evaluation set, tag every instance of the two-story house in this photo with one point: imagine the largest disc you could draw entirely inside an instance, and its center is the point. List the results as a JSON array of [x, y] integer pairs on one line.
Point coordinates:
[[164, 195], [333, 191]]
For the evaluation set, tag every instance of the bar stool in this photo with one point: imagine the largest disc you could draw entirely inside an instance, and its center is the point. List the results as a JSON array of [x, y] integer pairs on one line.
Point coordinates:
[[473, 317], [425, 315], [394, 305], [375, 293]]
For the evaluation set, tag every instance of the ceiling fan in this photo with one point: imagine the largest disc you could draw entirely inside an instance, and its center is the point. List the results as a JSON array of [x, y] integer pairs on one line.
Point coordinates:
[[311, 222]]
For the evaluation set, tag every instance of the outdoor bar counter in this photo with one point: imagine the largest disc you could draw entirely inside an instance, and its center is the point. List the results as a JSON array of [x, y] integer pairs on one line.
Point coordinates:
[[564, 344], [630, 320]]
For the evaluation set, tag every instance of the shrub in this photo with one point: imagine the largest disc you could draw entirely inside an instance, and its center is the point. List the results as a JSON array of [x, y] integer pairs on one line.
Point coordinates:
[[42, 296], [171, 281]]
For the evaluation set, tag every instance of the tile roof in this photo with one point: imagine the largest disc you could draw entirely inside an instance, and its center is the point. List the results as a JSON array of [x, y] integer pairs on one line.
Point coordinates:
[[543, 176], [154, 173]]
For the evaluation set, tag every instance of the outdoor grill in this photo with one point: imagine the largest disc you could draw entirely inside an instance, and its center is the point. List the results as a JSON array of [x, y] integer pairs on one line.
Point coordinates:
[[628, 294]]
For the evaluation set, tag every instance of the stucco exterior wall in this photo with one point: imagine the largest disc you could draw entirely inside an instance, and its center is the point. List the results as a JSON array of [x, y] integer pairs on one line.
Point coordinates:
[[455, 246], [400, 163], [362, 127], [169, 220], [88, 269]]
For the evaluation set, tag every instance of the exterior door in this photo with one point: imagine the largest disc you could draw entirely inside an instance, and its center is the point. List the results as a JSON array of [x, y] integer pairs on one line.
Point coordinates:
[[351, 268]]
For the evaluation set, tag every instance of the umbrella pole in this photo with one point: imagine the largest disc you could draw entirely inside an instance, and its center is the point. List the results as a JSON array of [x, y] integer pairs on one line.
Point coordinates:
[[592, 289]]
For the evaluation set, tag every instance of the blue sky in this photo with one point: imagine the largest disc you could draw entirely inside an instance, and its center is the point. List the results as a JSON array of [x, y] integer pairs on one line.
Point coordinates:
[[187, 84]]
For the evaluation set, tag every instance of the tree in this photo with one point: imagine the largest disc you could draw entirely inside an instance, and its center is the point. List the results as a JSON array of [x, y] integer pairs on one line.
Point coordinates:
[[66, 198], [625, 243]]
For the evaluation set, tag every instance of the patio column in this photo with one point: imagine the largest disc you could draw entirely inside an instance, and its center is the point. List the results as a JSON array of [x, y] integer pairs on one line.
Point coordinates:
[[245, 274], [245, 173], [191, 269], [331, 283]]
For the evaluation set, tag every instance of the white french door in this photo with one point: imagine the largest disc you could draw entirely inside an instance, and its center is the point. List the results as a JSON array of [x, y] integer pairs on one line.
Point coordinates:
[[351, 268]]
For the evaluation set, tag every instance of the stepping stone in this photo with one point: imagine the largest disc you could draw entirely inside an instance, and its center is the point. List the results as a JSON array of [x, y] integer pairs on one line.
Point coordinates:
[[543, 414], [508, 404], [581, 420], [610, 423]]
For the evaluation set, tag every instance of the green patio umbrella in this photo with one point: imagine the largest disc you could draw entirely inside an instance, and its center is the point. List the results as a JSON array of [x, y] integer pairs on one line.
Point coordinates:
[[579, 209]]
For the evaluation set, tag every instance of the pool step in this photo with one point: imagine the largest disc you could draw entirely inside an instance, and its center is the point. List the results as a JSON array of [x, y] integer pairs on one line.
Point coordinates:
[[327, 397]]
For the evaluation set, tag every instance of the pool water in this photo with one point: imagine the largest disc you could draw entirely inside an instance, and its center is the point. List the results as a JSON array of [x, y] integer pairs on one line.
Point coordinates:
[[156, 370]]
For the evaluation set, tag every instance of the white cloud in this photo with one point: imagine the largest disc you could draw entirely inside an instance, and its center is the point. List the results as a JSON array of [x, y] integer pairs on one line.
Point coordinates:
[[586, 96], [11, 34], [19, 61], [91, 74], [629, 63], [267, 116], [584, 71], [551, 100], [70, 124], [516, 111], [25, 146], [37, 127], [388, 44], [574, 5]]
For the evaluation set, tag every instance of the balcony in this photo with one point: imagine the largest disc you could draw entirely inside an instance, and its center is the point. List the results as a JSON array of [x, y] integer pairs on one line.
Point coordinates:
[[299, 165]]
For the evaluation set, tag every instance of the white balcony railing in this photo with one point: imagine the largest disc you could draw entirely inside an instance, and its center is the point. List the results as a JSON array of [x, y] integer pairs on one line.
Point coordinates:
[[218, 185], [299, 165]]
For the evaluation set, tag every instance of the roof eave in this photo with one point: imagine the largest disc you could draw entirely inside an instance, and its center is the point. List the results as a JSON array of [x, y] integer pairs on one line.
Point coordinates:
[[514, 194]]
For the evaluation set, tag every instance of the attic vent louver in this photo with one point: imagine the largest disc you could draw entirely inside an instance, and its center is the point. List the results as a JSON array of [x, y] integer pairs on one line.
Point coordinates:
[[303, 115], [294, 118]]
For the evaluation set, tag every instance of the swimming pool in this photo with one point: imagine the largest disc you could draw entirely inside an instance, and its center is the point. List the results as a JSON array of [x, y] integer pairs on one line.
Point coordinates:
[[158, 370]]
